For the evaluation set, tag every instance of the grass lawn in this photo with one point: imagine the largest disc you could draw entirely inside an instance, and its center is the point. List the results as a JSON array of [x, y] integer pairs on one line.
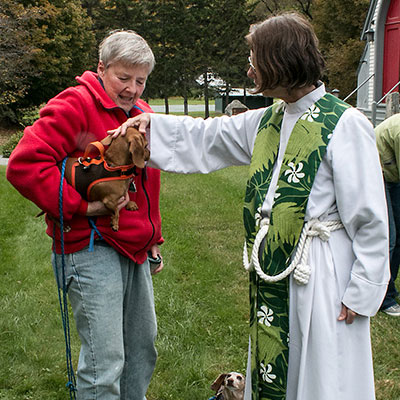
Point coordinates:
[[201, 297], [178, 101]]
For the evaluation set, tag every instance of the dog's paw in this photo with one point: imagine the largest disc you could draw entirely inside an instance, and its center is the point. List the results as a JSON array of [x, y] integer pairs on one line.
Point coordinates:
[[132, 206]]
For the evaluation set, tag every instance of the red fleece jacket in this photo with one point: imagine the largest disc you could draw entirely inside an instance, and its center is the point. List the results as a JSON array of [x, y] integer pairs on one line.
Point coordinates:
[[69, 121]]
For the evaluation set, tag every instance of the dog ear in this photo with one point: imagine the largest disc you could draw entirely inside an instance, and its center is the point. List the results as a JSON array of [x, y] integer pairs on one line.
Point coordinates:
[[107, 140], [138, 150], [218, 382]]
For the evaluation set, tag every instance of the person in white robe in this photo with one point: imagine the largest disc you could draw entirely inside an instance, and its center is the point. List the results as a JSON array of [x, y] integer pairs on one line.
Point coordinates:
[[330, 355]]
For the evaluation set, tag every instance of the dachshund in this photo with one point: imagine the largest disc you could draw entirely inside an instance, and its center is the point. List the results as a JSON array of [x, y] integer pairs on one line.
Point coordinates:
[[116, 166], [229, 386]]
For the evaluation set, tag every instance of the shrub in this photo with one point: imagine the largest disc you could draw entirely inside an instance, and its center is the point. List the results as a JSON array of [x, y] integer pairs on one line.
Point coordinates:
[[12, 142], [27, 116]]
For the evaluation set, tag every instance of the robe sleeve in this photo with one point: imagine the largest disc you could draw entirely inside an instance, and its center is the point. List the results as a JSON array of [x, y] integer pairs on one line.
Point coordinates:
[[193, 145], [361, 203]]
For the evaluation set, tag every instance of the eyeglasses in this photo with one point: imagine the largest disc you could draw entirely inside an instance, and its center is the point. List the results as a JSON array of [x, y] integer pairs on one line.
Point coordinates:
[[251, 64]]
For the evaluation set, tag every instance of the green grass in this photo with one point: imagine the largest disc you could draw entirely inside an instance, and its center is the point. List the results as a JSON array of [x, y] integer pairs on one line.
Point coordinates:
[[199, 114], [177, 100], [201, 297]]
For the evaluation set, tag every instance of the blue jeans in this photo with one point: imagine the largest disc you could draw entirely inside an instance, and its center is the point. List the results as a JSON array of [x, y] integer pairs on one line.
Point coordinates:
[[113, 306], [393, 203]]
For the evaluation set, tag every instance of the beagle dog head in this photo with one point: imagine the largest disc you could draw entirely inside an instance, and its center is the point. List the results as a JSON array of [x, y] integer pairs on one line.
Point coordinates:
[[230, 386]]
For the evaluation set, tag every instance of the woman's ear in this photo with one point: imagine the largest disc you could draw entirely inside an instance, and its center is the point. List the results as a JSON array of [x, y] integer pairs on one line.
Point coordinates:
[[100, 69]]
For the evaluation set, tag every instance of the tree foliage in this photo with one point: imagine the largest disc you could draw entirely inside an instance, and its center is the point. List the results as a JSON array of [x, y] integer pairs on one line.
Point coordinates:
[[273, 7], [231, 50], [338, 24], [15, 52], [63, 44], [188, 37], [44, 44]]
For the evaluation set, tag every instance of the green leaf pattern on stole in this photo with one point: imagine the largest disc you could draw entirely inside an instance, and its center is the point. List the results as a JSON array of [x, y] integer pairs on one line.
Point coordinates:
[[269, 310]]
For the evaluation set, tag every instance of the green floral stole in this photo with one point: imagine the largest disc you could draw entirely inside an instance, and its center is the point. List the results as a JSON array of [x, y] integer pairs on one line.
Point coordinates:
[[269, 312]]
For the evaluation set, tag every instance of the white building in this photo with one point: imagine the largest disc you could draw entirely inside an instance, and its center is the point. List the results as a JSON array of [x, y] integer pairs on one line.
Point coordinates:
[[379, 69]]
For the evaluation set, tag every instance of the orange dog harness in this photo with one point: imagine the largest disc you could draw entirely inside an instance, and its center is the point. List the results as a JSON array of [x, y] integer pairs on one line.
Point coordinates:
[[87, 171]]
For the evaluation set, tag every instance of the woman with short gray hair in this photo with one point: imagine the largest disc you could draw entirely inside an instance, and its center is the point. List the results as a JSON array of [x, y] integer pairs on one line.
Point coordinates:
[[107, 273], [127, 47]]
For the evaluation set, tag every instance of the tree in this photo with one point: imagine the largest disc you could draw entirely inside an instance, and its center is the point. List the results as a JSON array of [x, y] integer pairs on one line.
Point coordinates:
[[194, 44], [275, 6], [182, 37], [64, 45], [165, 29], [160, 23], [16, 55], [231, 49], [338, 24], [49, 43]]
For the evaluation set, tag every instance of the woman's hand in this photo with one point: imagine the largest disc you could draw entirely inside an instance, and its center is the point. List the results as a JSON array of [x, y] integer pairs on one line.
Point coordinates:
[[347, 315], [96, 208], [155, 253], [141, 122]]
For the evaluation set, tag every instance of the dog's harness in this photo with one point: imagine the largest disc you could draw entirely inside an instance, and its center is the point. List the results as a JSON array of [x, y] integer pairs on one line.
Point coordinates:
[[88, 171]]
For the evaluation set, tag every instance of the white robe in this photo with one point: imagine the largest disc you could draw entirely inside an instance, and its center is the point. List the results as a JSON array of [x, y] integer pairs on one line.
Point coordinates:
[[328, 359]]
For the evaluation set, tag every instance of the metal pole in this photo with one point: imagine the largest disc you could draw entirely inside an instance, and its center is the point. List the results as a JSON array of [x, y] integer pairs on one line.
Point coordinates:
[[373, 113], [358, 87]]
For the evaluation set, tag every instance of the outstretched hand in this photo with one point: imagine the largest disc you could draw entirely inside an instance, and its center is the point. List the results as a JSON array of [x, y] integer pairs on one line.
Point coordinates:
[[141, 122]]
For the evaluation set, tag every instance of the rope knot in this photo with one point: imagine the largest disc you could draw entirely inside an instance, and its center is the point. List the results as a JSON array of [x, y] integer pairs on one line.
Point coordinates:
[[317, 228], [301, 270], [301, 274]]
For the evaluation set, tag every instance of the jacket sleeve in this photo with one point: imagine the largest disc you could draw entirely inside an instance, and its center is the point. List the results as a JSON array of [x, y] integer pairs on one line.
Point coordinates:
[[32, 167]]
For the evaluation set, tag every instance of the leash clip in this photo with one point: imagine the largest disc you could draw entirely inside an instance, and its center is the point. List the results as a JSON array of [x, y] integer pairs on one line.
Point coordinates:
[[132, 186], [83, 160]]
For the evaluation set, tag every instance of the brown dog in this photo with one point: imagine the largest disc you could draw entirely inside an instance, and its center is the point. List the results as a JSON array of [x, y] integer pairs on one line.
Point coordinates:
[[122, 156], [229, 386]]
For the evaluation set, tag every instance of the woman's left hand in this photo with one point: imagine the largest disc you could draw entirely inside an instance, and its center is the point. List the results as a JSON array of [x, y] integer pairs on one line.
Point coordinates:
[[155, 253], [347, 315], [97, 208]]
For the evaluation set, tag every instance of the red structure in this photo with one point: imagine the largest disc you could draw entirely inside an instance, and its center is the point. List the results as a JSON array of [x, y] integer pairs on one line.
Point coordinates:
[[391, 52]]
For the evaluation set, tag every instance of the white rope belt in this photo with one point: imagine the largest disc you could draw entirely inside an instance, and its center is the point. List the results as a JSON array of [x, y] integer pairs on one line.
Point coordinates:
[[302, 271]]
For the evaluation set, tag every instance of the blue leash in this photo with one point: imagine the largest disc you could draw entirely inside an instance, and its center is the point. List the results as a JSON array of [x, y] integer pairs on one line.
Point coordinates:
[[62, 294], [92, 232]]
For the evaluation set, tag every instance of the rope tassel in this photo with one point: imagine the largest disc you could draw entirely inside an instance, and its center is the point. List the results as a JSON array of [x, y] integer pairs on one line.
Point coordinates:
[[301, 270]]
